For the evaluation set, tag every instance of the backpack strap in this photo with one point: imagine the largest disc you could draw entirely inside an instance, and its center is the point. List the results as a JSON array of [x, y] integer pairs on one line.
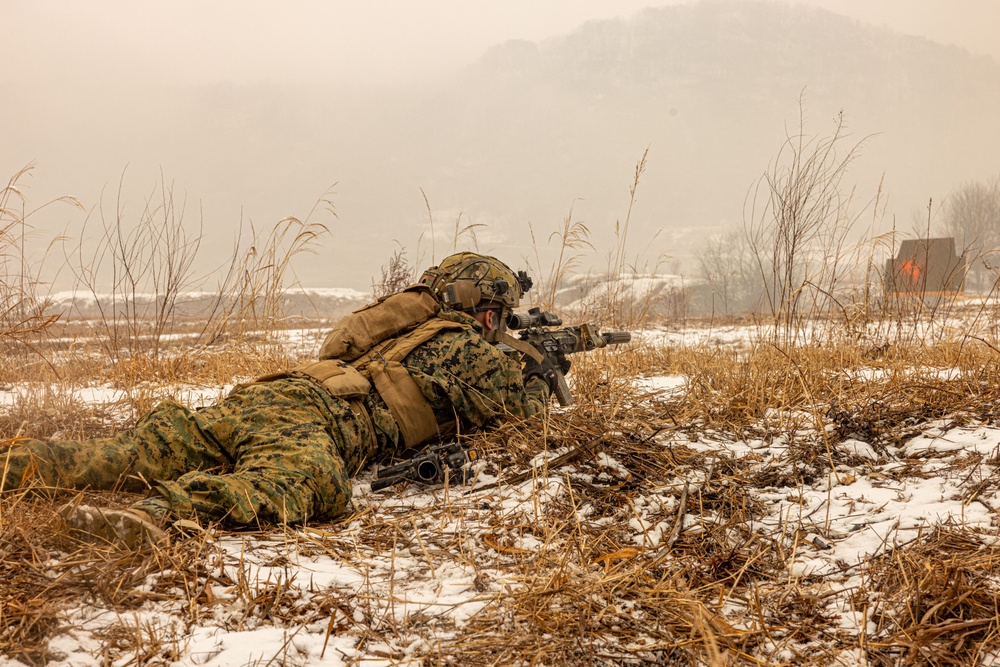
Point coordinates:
[[382, 367], [408, 405], [527, 349], [337, 377]]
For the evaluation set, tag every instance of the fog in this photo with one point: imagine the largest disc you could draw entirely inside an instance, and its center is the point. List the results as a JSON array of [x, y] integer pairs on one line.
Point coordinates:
[[252, 111]]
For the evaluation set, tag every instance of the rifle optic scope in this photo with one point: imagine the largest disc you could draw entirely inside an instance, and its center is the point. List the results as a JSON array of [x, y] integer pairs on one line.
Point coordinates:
[[535, 317], [429, 470]]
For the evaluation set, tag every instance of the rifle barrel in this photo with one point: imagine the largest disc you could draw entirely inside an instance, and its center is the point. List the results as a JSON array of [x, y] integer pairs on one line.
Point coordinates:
[[385, 482], [616, 337]]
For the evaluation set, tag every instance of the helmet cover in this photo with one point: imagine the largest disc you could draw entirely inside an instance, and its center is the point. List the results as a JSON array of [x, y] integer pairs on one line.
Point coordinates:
[[467, 280]]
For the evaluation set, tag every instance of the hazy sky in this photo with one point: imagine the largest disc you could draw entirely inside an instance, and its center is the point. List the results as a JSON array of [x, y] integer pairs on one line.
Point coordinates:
[[374, 40], [92, 87]]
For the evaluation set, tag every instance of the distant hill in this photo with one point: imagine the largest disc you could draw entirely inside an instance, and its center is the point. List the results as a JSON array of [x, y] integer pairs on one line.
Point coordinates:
[[533, 130], [713, 89], [311, 305], [743, 50]]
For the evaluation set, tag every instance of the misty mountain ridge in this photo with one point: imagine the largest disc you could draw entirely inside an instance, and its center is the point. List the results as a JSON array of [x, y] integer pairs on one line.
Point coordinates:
[[713, 89], [297, 304], [575, 296], [754, 47], [534, 129]]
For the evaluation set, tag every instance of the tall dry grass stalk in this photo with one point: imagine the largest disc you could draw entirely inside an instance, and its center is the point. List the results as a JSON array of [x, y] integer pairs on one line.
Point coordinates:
[[461, 233], [24, 312], [617, 257], [467, 230], [430, 221], [621, 296], [255, 284], [623, 301], [141, 270], [138, 270], [572, 239]]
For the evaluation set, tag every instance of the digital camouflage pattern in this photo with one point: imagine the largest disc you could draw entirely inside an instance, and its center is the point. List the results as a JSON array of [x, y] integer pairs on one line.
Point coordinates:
[[276, 451], [466, 377], [279, 451]]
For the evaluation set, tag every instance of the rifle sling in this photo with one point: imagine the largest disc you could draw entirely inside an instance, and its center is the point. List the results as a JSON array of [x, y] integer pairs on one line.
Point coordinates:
[[524, 348]]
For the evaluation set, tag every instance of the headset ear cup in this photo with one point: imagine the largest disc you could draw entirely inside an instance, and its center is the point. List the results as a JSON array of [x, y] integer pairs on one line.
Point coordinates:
[[462, 295]]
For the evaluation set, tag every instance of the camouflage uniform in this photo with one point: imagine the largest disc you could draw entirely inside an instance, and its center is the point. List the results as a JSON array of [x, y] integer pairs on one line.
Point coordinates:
[[284, 450]]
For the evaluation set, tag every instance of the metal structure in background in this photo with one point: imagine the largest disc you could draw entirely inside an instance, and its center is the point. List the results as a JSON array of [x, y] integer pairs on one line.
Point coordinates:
[[925, 268]]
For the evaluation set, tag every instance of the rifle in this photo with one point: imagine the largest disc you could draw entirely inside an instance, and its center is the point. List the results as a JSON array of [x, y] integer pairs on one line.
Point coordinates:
[[430, 467], [555, 345]]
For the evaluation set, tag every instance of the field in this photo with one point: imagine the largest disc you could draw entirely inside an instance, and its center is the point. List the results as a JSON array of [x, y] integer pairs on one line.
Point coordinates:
[[813, 486], [716, 496]]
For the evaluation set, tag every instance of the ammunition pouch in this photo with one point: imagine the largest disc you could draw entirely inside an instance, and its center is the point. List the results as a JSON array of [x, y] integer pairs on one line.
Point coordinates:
[[337, 377], [408, 405], [381, 366]]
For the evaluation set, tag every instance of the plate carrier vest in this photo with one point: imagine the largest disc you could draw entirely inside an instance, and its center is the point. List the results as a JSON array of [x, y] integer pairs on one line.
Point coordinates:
[[367, 348]]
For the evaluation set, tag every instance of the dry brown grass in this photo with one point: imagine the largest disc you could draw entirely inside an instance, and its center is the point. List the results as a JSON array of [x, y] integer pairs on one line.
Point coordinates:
[[629, 542], [46, 570], [933, 602], [586, 593]]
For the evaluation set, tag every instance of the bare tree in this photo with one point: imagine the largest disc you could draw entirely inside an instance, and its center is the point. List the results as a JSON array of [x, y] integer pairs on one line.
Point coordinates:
[[797, 220], [972, 216], [727, 264]]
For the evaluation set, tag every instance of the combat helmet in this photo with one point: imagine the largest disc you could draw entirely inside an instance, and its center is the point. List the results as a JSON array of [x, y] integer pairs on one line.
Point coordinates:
[[469, 281]]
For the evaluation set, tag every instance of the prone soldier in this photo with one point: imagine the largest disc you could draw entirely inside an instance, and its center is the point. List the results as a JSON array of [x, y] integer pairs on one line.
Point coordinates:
[[415, 367]]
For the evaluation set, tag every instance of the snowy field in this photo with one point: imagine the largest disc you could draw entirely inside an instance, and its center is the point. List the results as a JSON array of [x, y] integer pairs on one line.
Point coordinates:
[[394, 600], [429, 575]]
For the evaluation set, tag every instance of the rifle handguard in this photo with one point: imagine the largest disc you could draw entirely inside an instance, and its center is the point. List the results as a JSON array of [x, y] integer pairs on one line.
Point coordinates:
[[556, 345]]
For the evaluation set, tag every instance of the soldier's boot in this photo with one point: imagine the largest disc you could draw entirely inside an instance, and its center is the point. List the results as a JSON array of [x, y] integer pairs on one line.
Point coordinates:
[[155, 507], [15, 461], [163, 515], [131, 528]]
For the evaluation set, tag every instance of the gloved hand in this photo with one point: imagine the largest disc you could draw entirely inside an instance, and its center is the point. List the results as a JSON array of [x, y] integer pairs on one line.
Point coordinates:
[[545, 370], [564, 364]]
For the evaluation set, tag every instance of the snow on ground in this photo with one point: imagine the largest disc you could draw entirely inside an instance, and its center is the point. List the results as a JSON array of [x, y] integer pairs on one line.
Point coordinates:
[[976, 316], [108, 397], [439, 560], [667, 385], [417, 577], [722, 336], [447, 558]]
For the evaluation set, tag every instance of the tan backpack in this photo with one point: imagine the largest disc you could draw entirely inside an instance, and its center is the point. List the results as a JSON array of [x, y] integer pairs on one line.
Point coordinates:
[[368, 346], [387, 318]]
